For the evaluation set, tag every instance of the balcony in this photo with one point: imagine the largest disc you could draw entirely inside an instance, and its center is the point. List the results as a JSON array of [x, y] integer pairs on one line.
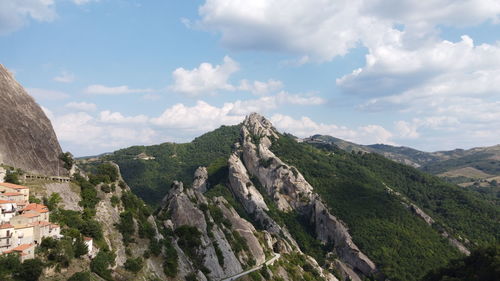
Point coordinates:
[[2, 236]]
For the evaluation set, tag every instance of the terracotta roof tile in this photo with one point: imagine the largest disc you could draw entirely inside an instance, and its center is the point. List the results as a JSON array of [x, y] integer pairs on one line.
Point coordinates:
[[11, 185], [6, 225], [30, 215], [22, 247]]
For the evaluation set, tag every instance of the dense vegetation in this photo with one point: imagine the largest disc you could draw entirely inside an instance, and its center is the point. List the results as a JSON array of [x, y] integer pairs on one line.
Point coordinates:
[[12, 269], [151, 179], [402, 245], [482, 265]]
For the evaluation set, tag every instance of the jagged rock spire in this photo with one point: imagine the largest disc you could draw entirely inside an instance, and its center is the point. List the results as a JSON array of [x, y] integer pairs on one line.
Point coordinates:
[[258, 125]]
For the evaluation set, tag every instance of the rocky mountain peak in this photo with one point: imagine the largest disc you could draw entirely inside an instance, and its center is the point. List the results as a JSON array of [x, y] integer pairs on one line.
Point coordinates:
[[27, 139], [258, 125]]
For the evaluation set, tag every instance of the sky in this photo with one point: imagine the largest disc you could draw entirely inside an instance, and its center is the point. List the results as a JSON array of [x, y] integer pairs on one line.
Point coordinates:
[[114, 73]]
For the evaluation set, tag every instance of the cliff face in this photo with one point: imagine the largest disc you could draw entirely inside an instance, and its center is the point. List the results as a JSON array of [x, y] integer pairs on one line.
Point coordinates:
[[27, 139], [291, 192]]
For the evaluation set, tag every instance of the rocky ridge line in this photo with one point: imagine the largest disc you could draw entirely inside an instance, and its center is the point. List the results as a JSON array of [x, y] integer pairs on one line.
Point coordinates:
[[288, 188]]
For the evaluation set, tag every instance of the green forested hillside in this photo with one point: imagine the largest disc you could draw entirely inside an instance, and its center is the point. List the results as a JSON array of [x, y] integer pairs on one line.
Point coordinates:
[[352, 184], [151, 179], [482, 265], [400, 243]]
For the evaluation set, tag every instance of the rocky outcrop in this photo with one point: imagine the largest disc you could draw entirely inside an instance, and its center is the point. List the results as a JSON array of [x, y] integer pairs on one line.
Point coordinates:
[[27, 139], [330, 229], [200, 182], [290, 191], [219, 224], [108, 215]]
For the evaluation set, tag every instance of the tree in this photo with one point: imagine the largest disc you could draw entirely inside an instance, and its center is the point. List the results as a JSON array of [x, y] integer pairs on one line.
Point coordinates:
[[31, 270], [53, 201], [9, 263], [100, 264], [134, 265], [12, 177], [80, 247], [67, 158], [80, 276]]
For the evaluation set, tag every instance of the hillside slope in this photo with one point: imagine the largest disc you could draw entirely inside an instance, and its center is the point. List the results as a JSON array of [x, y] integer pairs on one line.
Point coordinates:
[[357, 215]]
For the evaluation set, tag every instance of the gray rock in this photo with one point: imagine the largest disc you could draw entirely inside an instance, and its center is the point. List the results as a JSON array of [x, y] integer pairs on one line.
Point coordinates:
[[27, 139], [290, 191], [200, 182]]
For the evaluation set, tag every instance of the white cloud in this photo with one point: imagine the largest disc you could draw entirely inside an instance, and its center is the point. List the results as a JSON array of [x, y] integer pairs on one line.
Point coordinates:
[[65, 77], [118, 118], [260, 88], [305, 127], [203, 116], [208, 79], [118, 90], [82, 106], [88, 135], [44, 94], [200, 117], [319, 30], [15, 14], [205, 78], [440, 68], [83, 2]]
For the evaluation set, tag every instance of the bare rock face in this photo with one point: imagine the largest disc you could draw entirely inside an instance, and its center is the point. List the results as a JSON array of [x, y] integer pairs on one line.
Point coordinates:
[[200, 182], [218, 224], [290, 191], [27, 139], [329, 228]]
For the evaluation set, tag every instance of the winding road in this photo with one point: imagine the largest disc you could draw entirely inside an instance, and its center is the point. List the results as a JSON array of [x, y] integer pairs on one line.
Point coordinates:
[[268, 262]]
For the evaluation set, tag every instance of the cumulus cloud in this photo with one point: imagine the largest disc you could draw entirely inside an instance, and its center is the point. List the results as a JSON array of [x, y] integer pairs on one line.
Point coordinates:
[[200, 117], [16, 14], [260, 88], [441, 68], [305, 127], [319, 30], [204, 79], [65, 77], [208, 79], [87, 135], [82, 106], [44, 94], [118, 118], [118, 90]]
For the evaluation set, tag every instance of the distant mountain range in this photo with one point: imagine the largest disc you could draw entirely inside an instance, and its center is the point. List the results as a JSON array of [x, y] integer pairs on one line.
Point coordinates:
[[478, 167]]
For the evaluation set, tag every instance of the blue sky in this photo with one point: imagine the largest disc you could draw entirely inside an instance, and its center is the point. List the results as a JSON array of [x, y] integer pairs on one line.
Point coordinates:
[[115, 73]]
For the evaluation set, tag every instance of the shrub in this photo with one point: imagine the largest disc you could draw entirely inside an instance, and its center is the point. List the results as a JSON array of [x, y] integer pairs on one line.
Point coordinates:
[[114, 201], [106, 188], [67, 158], [80, 247], [30, 270], [126, 226], [101, 263], [134, 265], [171, 263], [80, 276]]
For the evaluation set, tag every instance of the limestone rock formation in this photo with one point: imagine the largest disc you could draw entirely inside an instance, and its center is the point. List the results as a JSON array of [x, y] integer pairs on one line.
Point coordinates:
[[290, 191], [218, 224], [27, 139], [200, 182]]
